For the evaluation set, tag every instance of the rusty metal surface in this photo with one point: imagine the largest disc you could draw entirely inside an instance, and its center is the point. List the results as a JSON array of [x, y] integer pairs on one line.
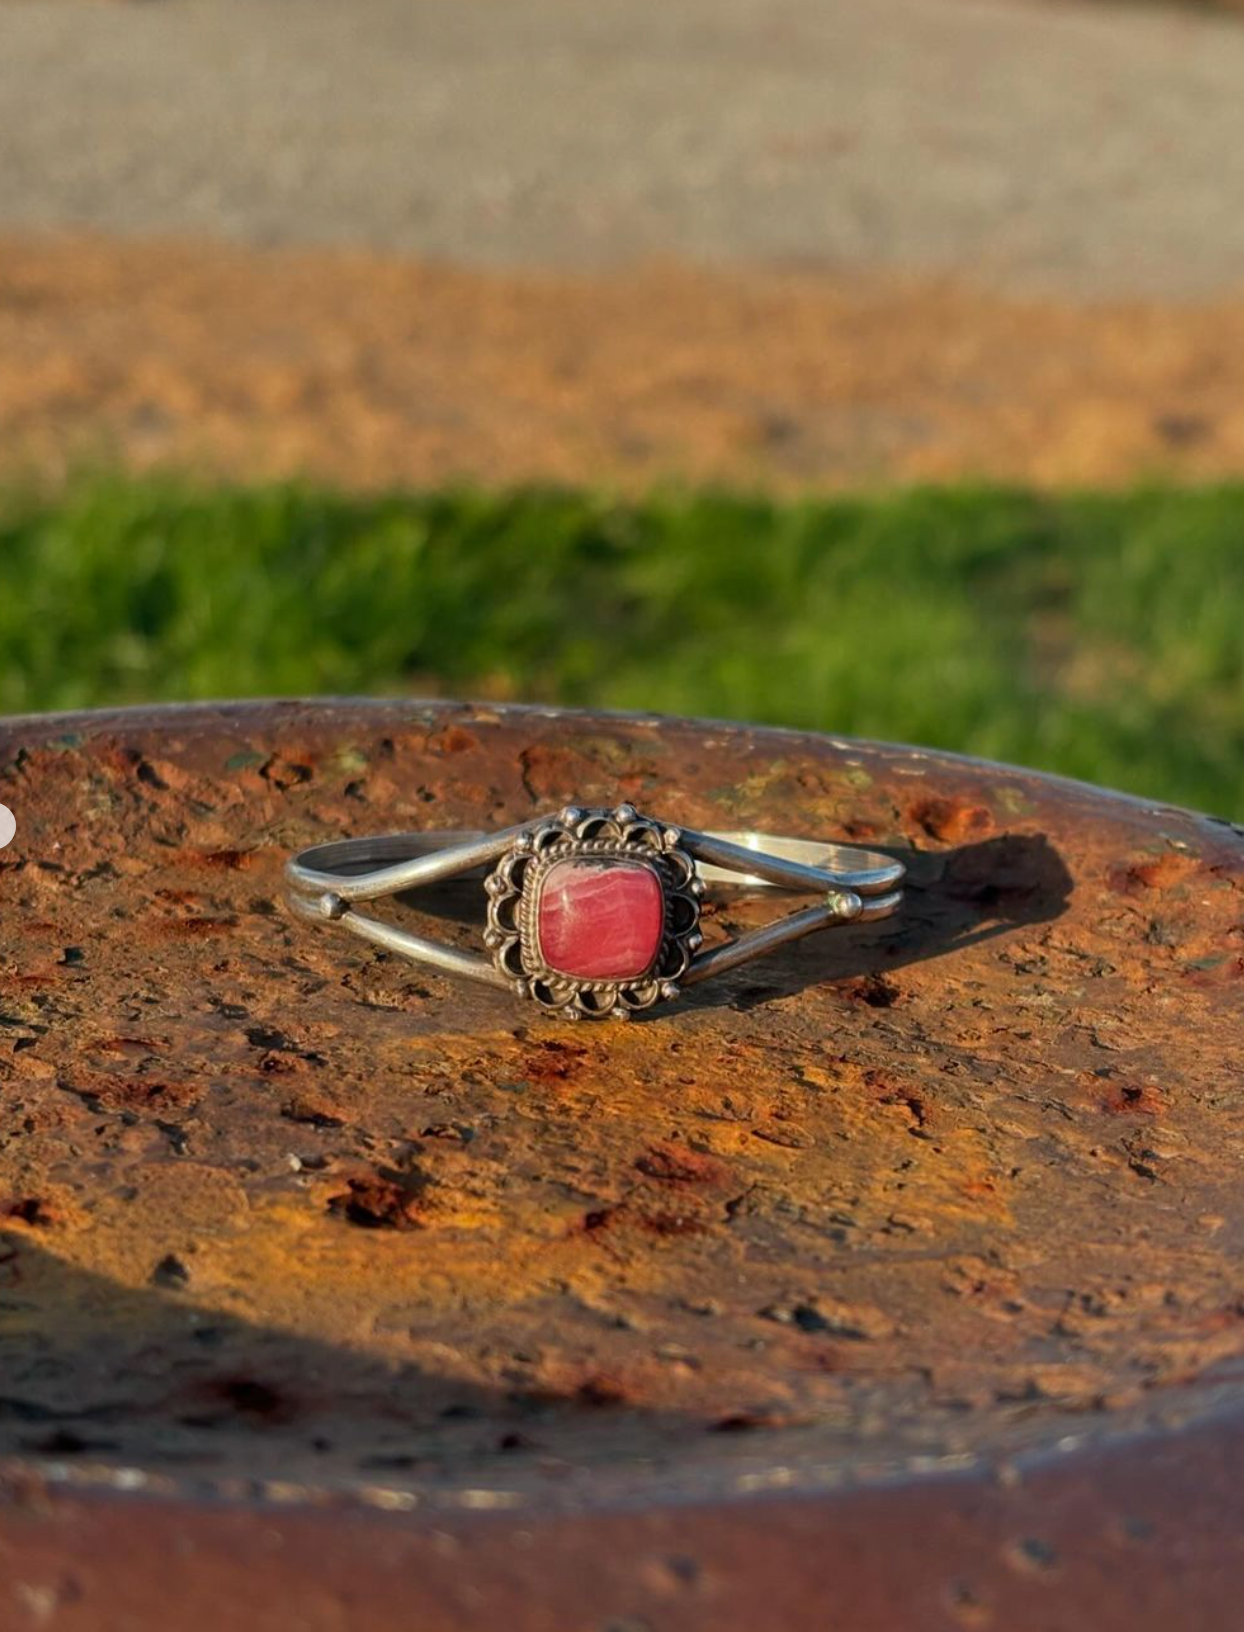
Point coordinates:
[[902, 1237]]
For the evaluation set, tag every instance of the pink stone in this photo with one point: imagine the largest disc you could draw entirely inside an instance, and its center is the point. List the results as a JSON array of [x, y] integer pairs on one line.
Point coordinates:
[[600, 920]]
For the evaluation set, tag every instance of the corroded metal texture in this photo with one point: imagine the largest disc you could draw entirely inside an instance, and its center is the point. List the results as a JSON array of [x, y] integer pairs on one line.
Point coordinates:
[[923, 1236]]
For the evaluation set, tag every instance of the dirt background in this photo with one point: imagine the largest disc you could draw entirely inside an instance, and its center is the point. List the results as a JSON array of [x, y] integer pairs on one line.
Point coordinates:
[[743, 241], [371, 370]]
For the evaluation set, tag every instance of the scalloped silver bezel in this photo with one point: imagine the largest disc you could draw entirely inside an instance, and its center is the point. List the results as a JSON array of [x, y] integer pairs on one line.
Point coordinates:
[[513, 889]]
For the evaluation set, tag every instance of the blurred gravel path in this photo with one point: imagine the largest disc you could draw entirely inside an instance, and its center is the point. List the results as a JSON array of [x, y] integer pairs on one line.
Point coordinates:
[[1086, 152]]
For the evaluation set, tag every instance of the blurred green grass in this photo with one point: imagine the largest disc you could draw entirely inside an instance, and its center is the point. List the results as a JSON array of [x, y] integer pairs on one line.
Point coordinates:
[[1098, 635]]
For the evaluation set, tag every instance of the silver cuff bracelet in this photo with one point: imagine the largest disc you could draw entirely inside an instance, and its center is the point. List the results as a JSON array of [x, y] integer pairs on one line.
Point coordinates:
[[593, 912]]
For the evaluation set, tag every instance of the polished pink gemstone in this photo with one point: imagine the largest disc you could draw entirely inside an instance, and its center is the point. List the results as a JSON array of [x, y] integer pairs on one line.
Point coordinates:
[[600, 920]]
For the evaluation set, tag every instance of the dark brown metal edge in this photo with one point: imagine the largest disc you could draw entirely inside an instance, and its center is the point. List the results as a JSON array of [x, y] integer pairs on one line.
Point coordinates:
[[1141, 1535]]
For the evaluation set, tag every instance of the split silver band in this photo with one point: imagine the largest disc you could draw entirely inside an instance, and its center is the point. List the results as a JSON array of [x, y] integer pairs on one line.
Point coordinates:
[[329, 881]]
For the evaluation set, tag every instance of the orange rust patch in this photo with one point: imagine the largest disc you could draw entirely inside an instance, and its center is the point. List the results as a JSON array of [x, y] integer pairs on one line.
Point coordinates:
[[231, 860], [456, 740], [118, 1091], [952, 821], [34, 1211], [1162, 872], [672, 1163], [382, 1201], [1133, 1099], [309, 1108]]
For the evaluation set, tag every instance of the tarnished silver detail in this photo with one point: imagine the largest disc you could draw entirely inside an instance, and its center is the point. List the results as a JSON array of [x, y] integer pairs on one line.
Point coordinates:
[[620, 835]]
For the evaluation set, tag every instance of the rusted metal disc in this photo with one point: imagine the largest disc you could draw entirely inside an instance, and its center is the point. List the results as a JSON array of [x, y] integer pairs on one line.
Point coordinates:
[[895, 1280]]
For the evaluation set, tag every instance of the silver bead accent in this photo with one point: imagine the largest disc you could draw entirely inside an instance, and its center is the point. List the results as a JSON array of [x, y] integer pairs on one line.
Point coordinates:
[[844, 904]]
